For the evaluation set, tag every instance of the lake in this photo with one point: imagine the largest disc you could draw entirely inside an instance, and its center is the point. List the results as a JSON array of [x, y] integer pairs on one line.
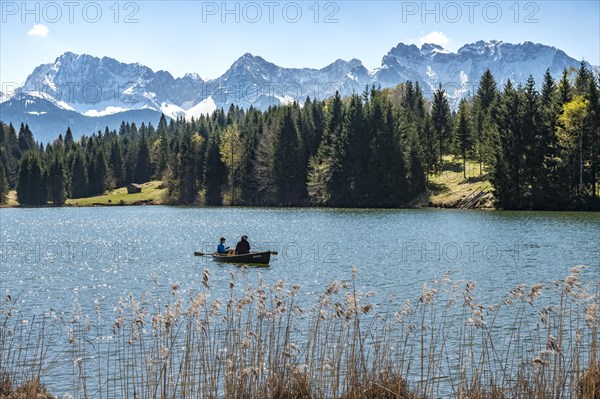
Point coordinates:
[[52, 258]]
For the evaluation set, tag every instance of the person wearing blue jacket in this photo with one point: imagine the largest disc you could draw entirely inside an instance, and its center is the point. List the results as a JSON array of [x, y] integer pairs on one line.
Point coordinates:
[[221, 248]]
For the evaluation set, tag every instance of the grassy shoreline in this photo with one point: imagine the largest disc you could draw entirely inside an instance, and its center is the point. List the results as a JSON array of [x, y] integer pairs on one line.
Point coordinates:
[[446, 189], [153, 193], [450, 189]]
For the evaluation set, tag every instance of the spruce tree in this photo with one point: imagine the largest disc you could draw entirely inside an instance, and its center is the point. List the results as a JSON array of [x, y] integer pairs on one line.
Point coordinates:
[[564, 89], [440, 118], [143, 166], [188, 175], [508, 165], [417, 174], [3, 185], [429, 146], [163, 146], [250, 131], [325, 185], [356, 159], [31, 188], [26, 141], [593, 127], [97, 181], [56, 179], [231, 155], [69, 142], [547, 150], [10, 154], [214, 172], [462, 134], [483, 133], [336, 144], [531, 137], [116, 164], [79, 181], [287, 162], [388, 172], [582, 79], [262, 169]]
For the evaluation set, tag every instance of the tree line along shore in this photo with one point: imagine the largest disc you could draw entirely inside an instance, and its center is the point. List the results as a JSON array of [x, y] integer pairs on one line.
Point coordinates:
[[516, 147]]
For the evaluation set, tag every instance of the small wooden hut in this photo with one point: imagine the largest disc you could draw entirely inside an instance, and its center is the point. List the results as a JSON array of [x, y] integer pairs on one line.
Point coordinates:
[[133, 188]]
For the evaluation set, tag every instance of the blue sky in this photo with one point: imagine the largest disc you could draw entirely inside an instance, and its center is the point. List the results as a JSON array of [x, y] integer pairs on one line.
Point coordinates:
[[206, 37]]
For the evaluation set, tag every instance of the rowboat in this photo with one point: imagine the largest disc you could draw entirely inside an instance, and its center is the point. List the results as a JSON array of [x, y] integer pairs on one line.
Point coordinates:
[[257, 258], [261, 258]]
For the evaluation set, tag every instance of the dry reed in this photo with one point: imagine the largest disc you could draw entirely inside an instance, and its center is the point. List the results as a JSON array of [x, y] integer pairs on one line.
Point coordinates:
[[263, 341]]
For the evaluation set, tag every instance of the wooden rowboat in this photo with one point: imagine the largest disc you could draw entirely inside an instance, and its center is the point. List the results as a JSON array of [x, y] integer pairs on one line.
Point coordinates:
[[261, 258], [256, 258]]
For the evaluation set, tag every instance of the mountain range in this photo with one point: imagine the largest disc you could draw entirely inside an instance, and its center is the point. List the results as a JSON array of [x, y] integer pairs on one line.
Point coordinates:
[[89, 93]]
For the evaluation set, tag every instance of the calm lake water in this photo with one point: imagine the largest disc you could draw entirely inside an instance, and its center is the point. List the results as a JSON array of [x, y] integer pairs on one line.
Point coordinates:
[[51, 258]]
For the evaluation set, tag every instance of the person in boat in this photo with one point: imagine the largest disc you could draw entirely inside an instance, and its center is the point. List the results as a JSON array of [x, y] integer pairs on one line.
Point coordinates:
[[242, 247], [221, 248]]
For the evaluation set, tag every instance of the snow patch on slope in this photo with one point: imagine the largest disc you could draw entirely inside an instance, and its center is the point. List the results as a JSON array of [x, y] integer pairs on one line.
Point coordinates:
[[47, 97], [106, 111], [205, 107]]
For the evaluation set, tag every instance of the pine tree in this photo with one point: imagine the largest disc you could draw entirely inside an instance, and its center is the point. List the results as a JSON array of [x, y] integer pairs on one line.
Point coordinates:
[[79, 181], [483, 132], [26, 141], [11, 154], [417, 174], [3, 185], [335, 153], [462, 134], [116, 165], [531, 137], [356, 159], [130, 152], [429, 145], [593, 126], [582, 79], [143, 167], [56, 180], [287, 162], [250, 131], [69, 143], [31, 189], [508, 166], [214, 172], [564, 88], [97, 178], [307, 126], [419, 105], [162, 147], [231, 155], [326, 183], [188, 174], [388, 185], [547, 151], [440, 118], [262, 169]]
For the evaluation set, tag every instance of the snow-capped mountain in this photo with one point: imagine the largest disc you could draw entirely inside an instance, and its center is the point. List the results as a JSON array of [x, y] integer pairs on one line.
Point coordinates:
[[459, 72], [100, 86], [253, 81], [86, 92]]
